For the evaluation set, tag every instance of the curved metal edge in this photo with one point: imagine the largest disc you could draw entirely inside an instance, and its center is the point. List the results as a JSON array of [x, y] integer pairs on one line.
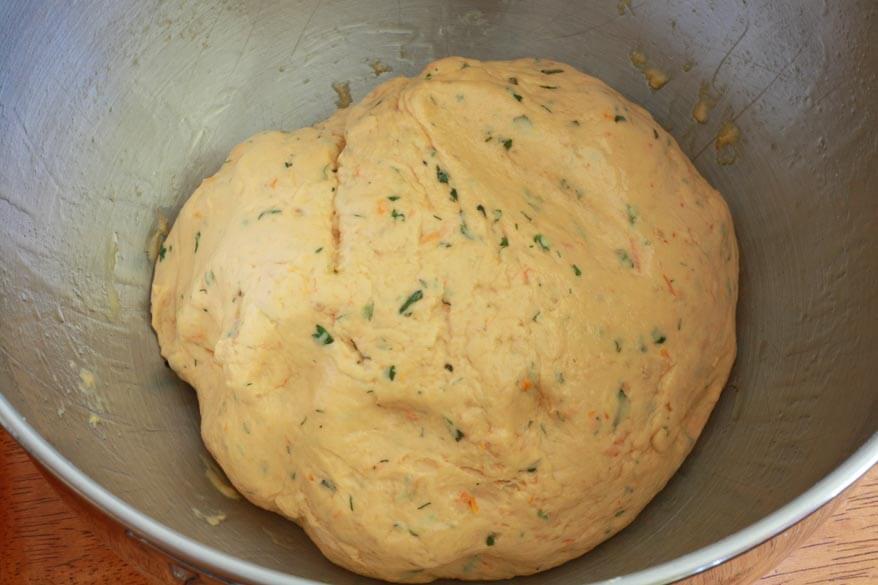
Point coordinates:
[[210, 558]]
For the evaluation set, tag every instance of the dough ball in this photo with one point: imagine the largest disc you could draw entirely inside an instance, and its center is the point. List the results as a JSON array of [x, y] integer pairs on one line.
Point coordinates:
[[466, 328]]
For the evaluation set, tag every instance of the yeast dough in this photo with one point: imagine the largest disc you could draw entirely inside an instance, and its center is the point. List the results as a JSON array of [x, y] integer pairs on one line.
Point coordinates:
[[466, 328]]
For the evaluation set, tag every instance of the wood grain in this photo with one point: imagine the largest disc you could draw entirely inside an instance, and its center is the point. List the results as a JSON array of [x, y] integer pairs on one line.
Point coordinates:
[[45, 542]]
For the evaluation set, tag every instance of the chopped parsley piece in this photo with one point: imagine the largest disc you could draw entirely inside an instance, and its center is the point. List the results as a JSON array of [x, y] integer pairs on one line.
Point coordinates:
[[549, 86], [453, 194], [543, 515], [397, 216], [619, 513], [321, 335], [368, 311], [631, 212], [576, 270], [394, 197], [504, 242], [163, 251], [464, 229], [498, 213], [517, 97], [449, 367], [272, 211], [351, 502], [621, 407], [197, 241], [481, 209], [542, 242], [441, 175], [490, 540], [413, 298], [658, 337], [455, 432], [288, 164], [327, 483], [619, 118], [318, 250], [422, 506], [551, 71], [618, 344], [513, 80], [507, 144], [624, 258], [391, 373]]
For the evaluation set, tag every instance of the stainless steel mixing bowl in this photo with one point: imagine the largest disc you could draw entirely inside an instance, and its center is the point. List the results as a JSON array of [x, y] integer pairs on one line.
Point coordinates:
[[112, 110]]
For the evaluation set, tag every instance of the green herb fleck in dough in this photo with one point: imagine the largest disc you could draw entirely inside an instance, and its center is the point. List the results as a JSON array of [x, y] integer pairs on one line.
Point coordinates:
[[619, 118], [318, 250], [617, 343], [504, 242], [197, 240], [391, 373], [422, 506], [453, 194], [551, 71], [272, 211], [322, 335], [441, 175], [394, 197], [449, 367], [622, 406], [481, 209], [209, 277], [288, 164], [368, 311], [549, 86], [543, 515], [490, 540], [397, 216], [517, 97], [542, 242], [413, 298], [658, 337], [327, 483], [576, 270], [619, 513], [464, 229], [507, 144], [513, 80], [162, 252], [498, 214], [631, 212], [456, 433], [547, 108], [624, 258], [351, 502]]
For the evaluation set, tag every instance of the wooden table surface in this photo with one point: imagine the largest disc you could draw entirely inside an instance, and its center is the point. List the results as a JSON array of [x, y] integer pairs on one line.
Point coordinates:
[[43, 542]]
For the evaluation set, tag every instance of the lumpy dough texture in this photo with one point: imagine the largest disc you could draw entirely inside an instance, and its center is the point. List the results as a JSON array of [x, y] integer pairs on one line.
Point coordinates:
[[466, 328]]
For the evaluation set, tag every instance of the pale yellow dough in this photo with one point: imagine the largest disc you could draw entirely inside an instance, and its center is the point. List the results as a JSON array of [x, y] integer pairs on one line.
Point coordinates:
[[466, 328]]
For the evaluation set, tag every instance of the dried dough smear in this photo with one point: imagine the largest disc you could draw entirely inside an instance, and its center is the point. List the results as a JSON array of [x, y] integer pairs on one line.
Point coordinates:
[[466, 328]]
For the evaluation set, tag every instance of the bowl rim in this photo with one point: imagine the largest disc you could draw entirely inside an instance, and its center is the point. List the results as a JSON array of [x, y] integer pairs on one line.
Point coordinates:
[[206, 558]]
